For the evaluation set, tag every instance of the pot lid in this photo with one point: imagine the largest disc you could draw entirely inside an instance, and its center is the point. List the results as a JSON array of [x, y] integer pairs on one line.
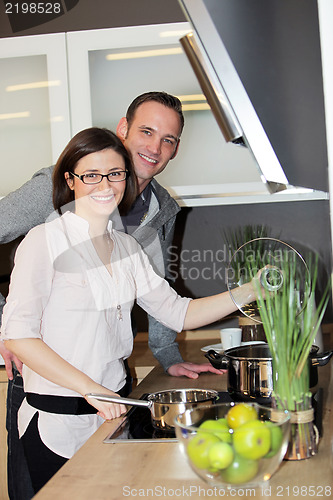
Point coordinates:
[[256, 352], [266, 258]]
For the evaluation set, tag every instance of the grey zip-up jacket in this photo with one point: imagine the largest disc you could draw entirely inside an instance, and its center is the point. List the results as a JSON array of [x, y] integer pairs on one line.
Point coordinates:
[[31, 204]]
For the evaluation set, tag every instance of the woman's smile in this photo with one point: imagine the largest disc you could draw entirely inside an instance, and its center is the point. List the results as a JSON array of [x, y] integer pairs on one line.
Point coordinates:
[[103, 198]]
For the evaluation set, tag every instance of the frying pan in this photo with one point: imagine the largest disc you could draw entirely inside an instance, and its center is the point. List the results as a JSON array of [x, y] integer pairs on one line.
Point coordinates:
[[164, 406]]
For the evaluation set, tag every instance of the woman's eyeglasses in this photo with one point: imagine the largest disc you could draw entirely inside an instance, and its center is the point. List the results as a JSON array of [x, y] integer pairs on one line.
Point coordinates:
[[115, 176]]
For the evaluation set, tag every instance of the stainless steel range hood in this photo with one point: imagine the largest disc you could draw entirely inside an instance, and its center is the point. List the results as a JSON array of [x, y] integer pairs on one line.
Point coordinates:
[[259, 64]]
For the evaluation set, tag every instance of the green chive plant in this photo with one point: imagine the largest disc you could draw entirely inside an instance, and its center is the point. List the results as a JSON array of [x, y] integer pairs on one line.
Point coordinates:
[[291, 321]]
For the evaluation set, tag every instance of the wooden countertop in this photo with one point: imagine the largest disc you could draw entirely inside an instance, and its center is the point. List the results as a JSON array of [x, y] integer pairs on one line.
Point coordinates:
[[128, 469]]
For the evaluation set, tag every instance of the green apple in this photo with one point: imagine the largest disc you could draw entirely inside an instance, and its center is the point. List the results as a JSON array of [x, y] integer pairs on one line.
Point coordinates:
[[218, 427], [241, 413], [276, 438], [240, 471], [198, 447], [220, 455], [252, 440], [222, 421]]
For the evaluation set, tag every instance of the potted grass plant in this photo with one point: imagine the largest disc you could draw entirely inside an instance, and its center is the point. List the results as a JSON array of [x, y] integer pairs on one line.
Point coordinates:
[[291, 325]]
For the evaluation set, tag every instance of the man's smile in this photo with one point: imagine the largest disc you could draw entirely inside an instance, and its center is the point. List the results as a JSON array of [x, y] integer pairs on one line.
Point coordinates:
[[150, 160]]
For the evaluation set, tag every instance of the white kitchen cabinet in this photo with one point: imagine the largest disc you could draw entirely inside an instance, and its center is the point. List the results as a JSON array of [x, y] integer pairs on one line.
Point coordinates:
[[86, 78], [34, 108]]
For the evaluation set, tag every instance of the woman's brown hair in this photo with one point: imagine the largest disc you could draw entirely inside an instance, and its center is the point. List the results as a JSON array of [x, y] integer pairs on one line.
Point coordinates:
[[91, 140]]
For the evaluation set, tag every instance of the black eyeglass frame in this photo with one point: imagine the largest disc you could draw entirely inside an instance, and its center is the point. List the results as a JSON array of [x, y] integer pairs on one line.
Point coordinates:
[[82, 176]]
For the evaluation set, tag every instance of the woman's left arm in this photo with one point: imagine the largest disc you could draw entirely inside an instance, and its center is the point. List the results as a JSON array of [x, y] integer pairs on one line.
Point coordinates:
[[162, 302], [207, 310]]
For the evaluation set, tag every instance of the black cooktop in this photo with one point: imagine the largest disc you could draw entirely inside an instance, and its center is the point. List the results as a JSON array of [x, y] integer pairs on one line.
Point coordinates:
[[137, 424]]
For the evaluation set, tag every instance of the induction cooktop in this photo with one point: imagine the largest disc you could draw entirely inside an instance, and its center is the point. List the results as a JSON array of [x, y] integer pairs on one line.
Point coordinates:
[[137, 425]]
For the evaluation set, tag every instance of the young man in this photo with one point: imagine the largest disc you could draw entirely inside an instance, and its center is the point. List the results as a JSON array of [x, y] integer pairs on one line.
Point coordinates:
[[151, 132]]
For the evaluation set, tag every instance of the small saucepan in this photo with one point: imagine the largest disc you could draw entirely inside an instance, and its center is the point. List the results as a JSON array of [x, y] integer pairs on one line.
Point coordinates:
[[165, 405], [250, 373]]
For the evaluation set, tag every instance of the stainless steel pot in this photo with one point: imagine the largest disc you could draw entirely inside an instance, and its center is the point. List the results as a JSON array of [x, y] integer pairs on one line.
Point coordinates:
[[250, 373], [165, 405]]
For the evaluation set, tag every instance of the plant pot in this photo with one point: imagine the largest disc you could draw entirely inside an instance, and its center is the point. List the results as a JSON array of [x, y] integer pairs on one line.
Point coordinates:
[[304, 435]]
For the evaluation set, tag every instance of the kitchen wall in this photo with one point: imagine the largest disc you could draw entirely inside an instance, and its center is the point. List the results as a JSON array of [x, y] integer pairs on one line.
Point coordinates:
[[203, 253]]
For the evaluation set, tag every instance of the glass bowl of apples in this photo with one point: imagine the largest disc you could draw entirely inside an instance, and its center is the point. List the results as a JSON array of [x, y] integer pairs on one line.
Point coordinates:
[[234, 444]]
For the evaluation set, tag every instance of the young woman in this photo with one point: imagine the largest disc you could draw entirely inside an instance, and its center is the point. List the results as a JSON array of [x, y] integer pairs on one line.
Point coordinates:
[[67, 315]]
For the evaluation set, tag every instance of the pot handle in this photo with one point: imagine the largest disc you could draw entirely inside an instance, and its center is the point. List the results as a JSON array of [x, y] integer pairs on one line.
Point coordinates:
[[217, 360], [321, 359], [115, 399]]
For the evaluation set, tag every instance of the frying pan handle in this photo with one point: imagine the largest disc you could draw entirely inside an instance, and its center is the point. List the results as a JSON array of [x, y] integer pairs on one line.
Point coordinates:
[[114, 399]]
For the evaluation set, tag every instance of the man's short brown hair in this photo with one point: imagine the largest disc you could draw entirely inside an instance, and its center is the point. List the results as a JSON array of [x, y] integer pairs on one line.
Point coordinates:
[[167, 100]]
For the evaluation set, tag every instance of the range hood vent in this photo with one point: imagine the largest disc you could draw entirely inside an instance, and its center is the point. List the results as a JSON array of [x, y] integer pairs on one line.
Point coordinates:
[[259, 66]]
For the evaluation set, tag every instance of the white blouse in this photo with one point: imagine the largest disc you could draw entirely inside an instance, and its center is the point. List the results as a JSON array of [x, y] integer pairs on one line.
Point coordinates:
[[61, 292]]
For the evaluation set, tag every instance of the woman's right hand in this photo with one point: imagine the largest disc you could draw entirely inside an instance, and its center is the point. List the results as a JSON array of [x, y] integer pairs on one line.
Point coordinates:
[[108, 411]]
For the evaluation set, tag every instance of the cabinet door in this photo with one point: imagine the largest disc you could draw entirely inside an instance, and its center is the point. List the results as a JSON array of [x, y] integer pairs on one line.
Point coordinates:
[[34, 109]]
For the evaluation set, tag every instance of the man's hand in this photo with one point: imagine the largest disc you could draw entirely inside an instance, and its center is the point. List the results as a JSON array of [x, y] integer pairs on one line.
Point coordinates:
[[8, 357], [192, 370]]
